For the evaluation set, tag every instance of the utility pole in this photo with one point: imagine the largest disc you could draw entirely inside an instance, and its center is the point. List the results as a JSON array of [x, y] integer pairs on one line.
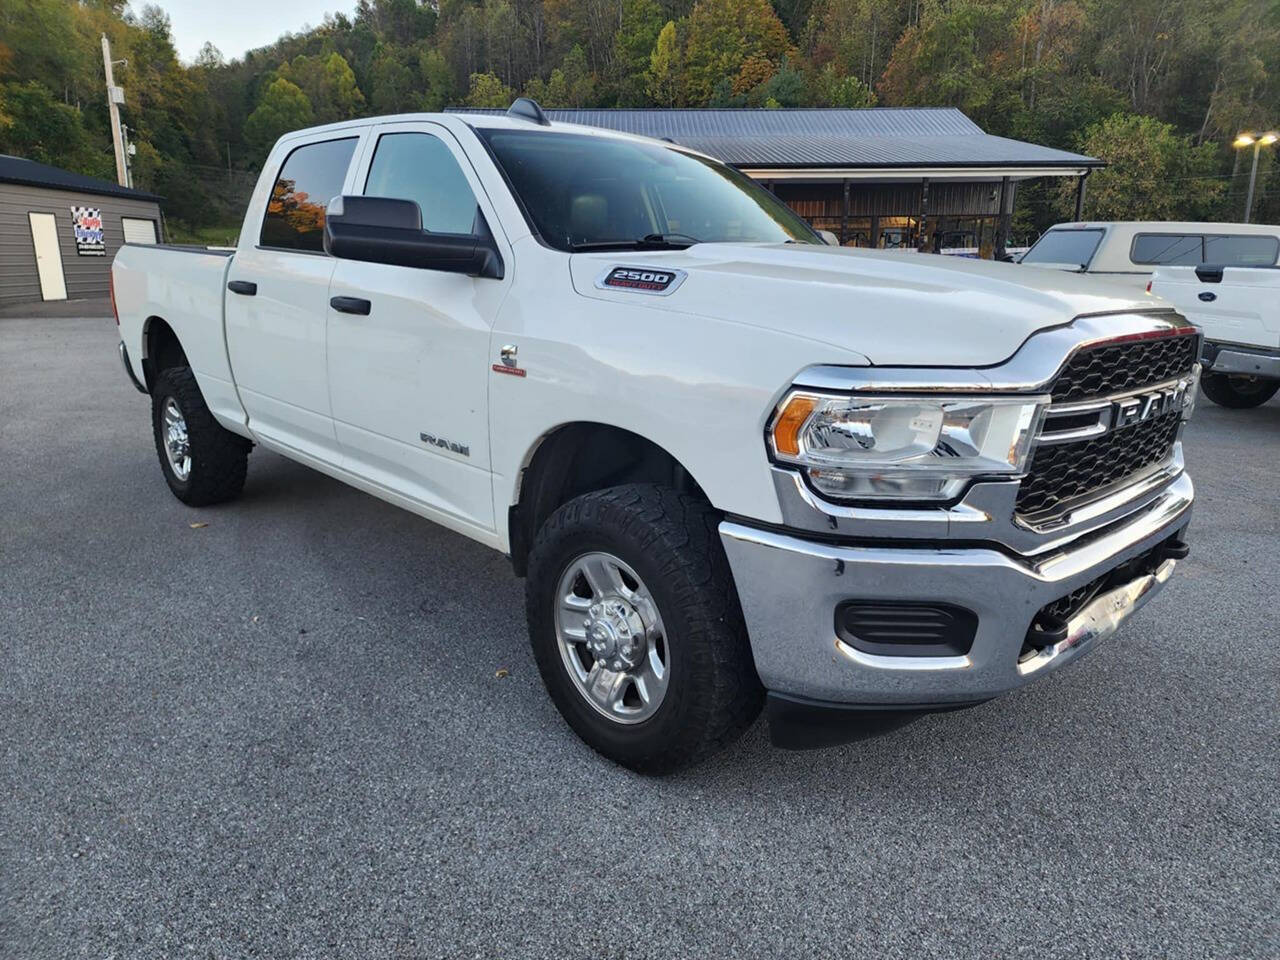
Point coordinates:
[[114, 97]]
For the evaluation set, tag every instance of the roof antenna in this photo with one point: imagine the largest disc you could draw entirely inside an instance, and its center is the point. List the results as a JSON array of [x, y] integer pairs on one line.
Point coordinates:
[[523, 108]]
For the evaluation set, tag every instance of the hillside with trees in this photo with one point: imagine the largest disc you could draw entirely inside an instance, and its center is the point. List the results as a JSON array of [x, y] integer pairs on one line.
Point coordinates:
[[1157, 87]]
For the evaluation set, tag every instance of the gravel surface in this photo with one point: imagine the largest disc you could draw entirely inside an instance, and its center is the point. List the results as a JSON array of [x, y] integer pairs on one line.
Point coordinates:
[[283, 735]]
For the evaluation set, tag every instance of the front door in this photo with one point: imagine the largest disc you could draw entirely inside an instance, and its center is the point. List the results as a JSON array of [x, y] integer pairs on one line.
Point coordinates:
[[408, 381], [44, 237], [277, 300]]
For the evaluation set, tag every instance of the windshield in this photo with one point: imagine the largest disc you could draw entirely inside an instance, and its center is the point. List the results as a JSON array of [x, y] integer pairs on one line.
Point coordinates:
[[583, 192], [1064, 246]]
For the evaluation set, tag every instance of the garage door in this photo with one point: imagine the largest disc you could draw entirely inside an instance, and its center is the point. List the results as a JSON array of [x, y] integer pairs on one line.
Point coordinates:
[[138, 231]]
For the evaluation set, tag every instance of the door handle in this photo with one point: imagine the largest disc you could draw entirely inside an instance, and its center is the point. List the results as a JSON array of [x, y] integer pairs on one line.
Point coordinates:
[[351, 305], [243, 287]]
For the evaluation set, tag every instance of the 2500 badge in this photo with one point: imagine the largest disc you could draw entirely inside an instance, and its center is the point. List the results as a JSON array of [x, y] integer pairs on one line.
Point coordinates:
[[641, 280]]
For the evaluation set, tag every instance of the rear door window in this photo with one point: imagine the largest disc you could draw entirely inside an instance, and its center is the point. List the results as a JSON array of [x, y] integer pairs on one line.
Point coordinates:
[[1167, 249], [310, 177], [1065, 246], [1256, 251]]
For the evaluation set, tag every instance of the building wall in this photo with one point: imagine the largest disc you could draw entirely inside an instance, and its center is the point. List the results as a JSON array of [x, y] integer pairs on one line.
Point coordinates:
[[85, 276], [946, 198], [963, 213]]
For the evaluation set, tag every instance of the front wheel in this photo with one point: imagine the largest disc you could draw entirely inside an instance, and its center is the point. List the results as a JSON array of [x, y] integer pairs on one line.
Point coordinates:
[[1238, 392], [202, 461], [636, 627]]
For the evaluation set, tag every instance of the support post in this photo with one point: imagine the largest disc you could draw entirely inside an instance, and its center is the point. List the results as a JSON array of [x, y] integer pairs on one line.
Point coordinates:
[[844, 213], [117, 137], [1080, 194], [1002, 221], [922, 227]]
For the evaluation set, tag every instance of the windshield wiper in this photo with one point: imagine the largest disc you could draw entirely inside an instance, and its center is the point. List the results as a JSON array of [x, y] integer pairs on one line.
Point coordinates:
[[650, 241]]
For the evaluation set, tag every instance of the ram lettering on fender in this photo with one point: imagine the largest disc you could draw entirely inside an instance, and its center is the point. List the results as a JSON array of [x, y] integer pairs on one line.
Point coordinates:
[[655, 281]]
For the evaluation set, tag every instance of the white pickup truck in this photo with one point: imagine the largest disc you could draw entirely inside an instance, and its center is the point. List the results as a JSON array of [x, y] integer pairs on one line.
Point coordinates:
[[1238, 311], [736, 465]]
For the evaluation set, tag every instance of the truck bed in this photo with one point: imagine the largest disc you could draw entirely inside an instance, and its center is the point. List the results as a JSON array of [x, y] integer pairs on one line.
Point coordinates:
[[183, 287]]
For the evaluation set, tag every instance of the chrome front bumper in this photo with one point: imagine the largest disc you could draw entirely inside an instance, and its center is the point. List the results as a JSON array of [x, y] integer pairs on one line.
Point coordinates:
[[790, 586]]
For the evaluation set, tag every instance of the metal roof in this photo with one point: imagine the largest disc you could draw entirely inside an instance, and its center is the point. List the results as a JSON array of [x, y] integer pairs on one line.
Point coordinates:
[[874, 137], [32, 174]]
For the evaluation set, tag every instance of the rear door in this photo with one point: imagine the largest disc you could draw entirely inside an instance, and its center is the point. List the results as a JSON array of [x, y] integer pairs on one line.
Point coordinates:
[[277, 301], [409, 379], [44, 238]]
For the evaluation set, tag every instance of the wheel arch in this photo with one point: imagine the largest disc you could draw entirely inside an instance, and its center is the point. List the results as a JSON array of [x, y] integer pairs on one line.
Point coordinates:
[[581, 457], [161, 349]]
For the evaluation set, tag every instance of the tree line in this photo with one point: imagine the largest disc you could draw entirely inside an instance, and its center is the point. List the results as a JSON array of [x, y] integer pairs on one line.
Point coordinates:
[[1159, 88]]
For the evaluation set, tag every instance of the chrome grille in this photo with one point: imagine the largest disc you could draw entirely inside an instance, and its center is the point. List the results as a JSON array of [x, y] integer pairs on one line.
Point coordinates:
[[1082, 456], [1070, 472], [1119, 367]]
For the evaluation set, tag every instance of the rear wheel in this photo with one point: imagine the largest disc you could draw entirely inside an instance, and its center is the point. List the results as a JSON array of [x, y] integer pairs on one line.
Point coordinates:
[[636, 627], [203, 462], [1238, 392]]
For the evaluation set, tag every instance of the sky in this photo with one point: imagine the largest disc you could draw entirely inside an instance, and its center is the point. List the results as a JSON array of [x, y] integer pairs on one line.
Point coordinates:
[[234, 26]]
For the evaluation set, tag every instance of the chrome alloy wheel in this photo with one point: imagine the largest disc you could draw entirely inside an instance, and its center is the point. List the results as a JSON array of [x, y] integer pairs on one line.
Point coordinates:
[[177, 446], [611, 638]]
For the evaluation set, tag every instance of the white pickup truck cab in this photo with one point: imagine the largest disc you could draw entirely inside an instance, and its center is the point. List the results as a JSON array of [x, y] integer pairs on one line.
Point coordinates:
[[1127, 252], [731, 460], [1238, 311]]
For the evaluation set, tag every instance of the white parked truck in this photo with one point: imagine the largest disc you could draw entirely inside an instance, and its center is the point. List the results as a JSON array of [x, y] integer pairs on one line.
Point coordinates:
[[735, 464], [1126, 253], [1238, 311]]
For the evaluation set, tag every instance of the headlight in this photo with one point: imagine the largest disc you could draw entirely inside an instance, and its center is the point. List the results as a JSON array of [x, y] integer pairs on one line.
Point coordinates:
[[910, 448]]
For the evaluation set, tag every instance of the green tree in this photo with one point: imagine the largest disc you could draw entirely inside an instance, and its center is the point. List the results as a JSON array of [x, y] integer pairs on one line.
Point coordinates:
[[579, 84], [329, 83], [1152, 172], [35, 126], [828, 88], [488, 91], [664, 81], [391, 85], [283, 107], [437, 81], [633, 44], [957, 57], [723, 35]]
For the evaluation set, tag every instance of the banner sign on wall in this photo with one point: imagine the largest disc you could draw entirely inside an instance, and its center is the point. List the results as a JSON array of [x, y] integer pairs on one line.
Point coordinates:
[[87, 223]]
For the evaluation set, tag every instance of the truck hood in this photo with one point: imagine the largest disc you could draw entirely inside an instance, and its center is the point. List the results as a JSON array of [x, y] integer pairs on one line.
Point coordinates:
[[896, 309]]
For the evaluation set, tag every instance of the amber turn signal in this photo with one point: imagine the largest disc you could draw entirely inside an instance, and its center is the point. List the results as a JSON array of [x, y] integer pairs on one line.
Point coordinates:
[[786, 432]]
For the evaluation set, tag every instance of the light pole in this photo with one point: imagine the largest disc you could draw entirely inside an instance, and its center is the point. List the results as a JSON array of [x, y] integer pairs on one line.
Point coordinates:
[[1257, 141]]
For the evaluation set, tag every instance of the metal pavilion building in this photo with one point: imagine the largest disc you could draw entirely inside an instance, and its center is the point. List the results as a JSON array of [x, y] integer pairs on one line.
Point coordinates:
[[891, 177]]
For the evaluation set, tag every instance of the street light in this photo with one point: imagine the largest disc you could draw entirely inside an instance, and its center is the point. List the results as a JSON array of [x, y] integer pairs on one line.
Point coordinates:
[[1257, 141]]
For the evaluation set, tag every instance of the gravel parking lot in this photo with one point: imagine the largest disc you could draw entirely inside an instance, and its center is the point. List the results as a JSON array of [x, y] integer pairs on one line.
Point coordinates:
[[284, 734]]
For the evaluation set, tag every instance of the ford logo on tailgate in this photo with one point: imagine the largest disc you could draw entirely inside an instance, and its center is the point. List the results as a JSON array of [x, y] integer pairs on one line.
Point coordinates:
[[1208, 296]]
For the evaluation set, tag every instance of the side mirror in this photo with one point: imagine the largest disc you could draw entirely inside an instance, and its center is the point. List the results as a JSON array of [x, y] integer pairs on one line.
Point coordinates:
[[386, 230]]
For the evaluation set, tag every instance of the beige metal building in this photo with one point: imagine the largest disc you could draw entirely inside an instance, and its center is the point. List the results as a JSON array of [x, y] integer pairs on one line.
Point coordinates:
[[60, 230]]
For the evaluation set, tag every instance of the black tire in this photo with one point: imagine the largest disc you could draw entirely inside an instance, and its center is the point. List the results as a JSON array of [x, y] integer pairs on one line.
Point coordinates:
[[219, 458], [1238, 393], [670, 540]]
